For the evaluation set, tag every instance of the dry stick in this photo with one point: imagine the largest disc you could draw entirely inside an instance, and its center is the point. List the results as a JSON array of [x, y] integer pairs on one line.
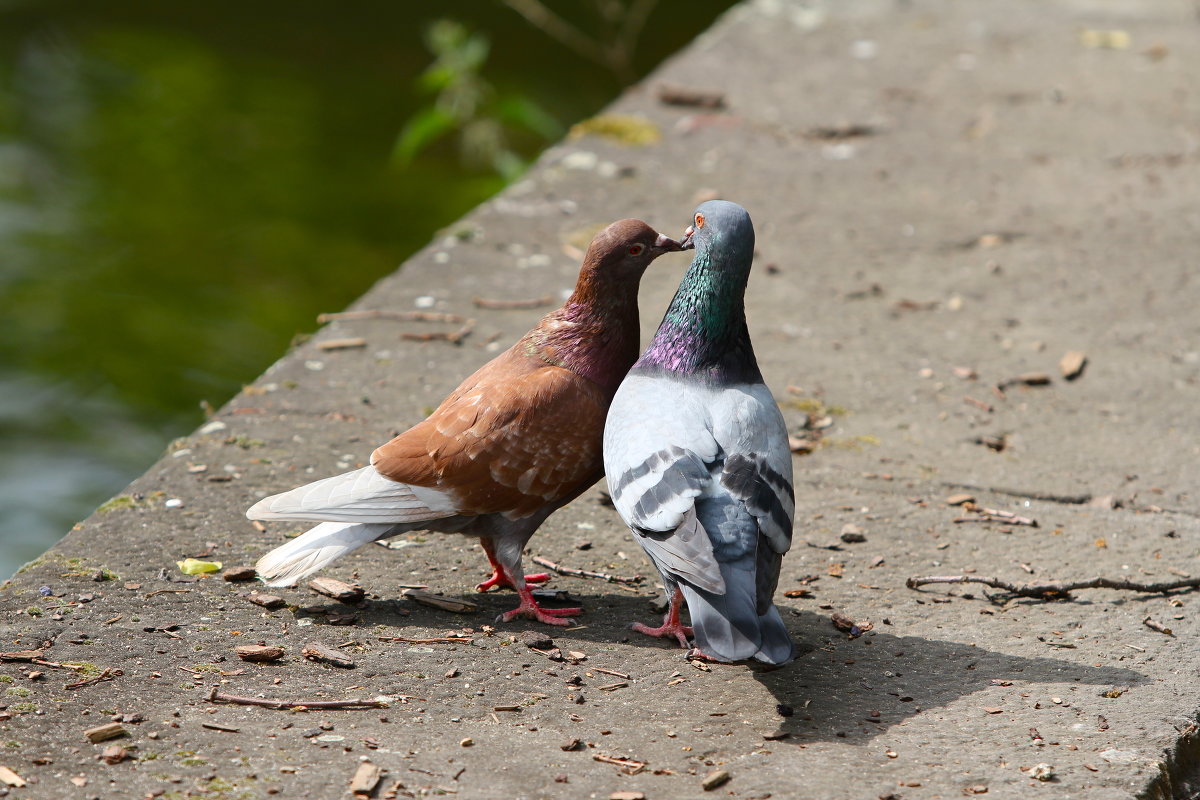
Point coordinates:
[[108, 674], [1046, 591], [1068, 499], [404, 316], [620, 762], [218, 697], [431, 640], [584, 573], [166, 591], [454, 337], [503, 305]]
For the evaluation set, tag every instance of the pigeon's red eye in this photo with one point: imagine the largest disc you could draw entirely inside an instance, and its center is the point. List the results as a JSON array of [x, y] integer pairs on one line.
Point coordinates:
[[699, 220], [636, 250]]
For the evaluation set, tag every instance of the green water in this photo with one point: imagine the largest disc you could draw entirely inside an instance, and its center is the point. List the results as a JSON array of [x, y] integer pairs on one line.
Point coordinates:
[[185, 186]]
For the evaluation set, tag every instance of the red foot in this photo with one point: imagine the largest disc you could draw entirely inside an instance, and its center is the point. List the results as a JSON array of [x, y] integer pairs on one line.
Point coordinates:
[[696, 654], [529, 608], [498, 579], [666, 630], [671, 624]]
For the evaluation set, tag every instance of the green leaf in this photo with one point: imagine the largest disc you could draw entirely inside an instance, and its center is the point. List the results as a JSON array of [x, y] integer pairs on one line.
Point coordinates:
[[522, 112], [422, 129]]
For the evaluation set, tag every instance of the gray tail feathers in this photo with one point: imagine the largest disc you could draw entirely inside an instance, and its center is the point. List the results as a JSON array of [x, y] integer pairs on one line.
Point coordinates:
[[729, 626], [307, 553]]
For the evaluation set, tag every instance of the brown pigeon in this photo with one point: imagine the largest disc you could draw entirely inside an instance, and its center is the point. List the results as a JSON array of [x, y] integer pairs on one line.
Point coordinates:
[[514, 442]]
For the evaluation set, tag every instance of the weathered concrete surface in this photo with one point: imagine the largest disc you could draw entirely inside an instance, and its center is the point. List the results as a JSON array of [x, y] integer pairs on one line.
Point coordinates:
[[1041, 193]]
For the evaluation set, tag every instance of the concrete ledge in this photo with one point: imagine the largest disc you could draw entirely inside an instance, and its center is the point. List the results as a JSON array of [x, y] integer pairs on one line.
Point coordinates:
[[948, 195]]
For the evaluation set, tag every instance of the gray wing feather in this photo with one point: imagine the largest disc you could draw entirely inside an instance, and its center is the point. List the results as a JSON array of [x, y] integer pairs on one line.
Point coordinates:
[[685, 553]]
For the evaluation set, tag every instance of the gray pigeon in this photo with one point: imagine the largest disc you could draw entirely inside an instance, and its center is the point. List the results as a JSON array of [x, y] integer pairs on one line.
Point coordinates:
[[696, 454]]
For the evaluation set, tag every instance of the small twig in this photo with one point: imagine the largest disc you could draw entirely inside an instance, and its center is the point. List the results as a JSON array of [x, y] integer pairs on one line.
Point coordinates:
[[636, 766], [454, 337], [1049, 497], [1057, 590], [431, 640], [165, 591], [404, 316], [502, 305], [993, 515], [218, 697], [612, 672], [212, 726], [585, 573], [108, 674]]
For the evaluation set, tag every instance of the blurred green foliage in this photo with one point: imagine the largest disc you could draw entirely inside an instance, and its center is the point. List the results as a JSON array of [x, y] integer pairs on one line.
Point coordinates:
[[466, 103], [184, 187]]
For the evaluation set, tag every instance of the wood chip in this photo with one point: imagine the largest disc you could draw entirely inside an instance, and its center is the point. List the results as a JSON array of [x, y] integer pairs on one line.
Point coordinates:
[[959, 499], [1157, 626], [714, 779], [259, 652], [993, 710], [266, 600], [235, 574], [11, 778], [512, 708], [336, 589], [22, 655], [1072, 363], [114, 754], [627, 795], [836, 569], [342, 344], [110, 730], [365, 779], [315, 651], [437, 601]]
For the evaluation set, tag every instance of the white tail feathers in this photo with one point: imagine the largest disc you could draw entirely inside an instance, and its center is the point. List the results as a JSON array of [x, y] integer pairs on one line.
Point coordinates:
[[307, 553]]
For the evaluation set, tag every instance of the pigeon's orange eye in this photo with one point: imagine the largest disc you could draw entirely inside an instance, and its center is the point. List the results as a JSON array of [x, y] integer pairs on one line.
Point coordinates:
[[636, 250], [699, 220]]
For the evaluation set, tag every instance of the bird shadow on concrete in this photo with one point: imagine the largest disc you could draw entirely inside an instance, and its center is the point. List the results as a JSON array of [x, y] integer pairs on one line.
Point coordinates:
[[839, 688]]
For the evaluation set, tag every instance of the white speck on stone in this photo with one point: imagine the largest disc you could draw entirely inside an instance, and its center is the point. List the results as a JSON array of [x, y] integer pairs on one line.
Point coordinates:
[[441, 258], [174, 502], [585, 526], [540, 260], [580, 159], [187, 451], [383, 355], [842, 151], [1042, 772], [606, 169], [864, 49], [568, 206], [424, 301], [304, 622], [212, 427], [315, 366]]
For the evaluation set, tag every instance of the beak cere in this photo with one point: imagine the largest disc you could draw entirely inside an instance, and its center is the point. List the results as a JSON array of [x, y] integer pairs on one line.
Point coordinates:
[[687, 242], [667, 244]]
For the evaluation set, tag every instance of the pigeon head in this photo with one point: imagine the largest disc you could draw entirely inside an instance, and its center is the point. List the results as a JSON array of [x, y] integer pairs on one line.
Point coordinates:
[[704, 332], [720, 226], [624, 249]]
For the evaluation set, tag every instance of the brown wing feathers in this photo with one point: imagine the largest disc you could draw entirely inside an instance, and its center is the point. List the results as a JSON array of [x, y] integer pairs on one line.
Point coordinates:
[[512, 437]]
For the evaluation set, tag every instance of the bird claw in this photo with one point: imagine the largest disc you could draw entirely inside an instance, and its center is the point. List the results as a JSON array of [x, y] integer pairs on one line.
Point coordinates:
[[666, 630], [498, 579], [547, 616]]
